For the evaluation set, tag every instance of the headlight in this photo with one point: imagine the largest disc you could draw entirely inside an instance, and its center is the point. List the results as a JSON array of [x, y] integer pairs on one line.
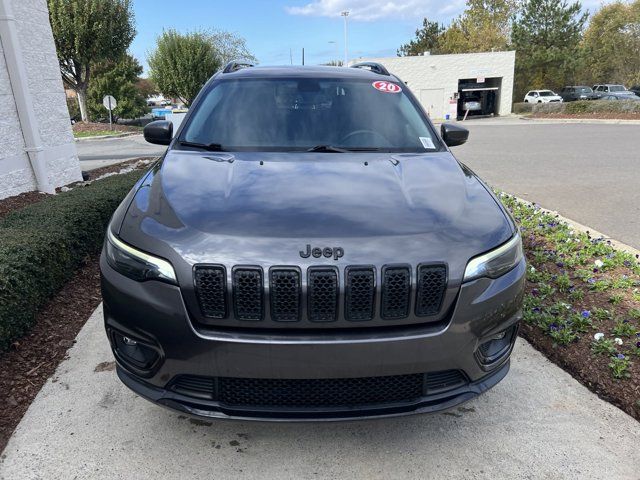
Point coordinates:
[[496, 262], [135, 264]]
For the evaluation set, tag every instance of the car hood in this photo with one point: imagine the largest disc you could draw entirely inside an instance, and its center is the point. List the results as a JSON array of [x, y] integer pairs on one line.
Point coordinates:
[[254, 207]]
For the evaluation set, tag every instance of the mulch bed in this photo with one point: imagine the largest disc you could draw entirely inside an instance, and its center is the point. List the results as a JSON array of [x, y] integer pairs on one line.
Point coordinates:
[[590, 116], [19, 201], [31, 360], [589, 369], [101, 127]]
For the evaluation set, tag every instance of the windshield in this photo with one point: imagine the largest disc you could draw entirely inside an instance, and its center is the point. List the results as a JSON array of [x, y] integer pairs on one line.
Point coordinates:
[[616, 88], [283, 114], [585, 90], [546, 93]]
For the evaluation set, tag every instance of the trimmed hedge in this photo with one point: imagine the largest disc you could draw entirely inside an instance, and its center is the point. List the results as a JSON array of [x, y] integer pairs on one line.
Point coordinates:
[[43, 244], [579, 107]]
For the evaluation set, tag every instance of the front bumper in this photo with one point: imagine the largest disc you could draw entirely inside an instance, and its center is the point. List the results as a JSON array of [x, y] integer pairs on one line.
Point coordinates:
[[154, 315]]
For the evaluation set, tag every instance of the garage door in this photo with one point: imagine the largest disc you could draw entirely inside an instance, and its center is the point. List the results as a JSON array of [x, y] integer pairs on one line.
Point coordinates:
[[432, 100]]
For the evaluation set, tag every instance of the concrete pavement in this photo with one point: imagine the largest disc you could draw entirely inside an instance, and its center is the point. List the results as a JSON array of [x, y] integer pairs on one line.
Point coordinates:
[[538, 423], [587, 172]]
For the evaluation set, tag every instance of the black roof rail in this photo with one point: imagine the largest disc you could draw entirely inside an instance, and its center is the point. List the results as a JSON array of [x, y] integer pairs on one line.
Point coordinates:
[[235, 65], [373, 67]]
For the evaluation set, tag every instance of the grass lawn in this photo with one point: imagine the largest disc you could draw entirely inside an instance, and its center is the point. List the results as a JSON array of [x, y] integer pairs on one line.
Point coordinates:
[[582, 304]]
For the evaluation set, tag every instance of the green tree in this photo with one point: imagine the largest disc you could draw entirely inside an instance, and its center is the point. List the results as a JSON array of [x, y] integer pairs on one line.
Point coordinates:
[[484, 26], [426, 40], [611, 45], [182, 63], [546, 35], [118, 79], [87, 32]]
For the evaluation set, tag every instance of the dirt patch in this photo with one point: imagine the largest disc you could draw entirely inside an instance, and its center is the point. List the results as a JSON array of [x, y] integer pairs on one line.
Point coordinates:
[[31, 360], [105, 367], [590, 116]]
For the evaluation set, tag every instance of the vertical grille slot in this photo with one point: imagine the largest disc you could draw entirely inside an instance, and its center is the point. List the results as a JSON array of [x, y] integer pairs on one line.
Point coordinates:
[[211, 290], [284, 294], [323, 294], [432, 283], [360, 293], [396, 292], [248, 293]]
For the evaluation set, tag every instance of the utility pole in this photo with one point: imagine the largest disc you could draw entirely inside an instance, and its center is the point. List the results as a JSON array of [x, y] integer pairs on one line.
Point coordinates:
[[345, 14], [302, 55]]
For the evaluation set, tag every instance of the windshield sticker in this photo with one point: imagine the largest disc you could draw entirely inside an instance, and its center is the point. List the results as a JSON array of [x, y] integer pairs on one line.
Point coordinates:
[[427, 143], [386, 87]]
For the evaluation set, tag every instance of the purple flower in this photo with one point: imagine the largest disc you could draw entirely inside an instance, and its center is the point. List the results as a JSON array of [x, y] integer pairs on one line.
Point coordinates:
[[534, 292], [560, 264], [591, 280], [627, 263], [586, 313], [638, 344], [554, 327], [620, 356], [625, 321], [536, 309]]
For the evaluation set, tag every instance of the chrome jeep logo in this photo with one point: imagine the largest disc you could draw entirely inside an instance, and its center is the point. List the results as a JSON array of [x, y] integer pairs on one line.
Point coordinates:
[[328, 252]]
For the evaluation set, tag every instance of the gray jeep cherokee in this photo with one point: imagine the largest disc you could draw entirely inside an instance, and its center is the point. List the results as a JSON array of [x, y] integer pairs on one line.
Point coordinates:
[[308, 248]]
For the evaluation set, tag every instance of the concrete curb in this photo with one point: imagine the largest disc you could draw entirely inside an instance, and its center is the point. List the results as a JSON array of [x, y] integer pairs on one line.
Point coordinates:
[[100, 137], [604, 121]]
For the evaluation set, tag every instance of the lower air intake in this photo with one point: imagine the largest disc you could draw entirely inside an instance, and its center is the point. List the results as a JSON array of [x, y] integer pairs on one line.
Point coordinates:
[[325, 392]]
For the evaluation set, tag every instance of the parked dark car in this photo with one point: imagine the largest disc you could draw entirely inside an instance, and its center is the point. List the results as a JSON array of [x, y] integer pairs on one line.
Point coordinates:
[[577, 92], [609, 88], [308, 248], [635, 89]]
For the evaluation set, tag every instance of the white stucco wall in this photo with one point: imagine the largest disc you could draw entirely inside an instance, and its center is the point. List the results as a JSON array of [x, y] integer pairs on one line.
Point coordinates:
[[45, 86], [432, 77]]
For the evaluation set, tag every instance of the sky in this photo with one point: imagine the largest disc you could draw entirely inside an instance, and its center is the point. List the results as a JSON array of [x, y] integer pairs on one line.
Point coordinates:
[[273, 29]]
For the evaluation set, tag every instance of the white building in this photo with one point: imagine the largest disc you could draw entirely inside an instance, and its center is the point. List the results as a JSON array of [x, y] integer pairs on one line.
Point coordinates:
[[37, 150], [480, 83]]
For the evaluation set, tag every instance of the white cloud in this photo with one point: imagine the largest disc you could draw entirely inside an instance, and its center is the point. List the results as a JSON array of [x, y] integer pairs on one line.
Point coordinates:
[[369, 10]]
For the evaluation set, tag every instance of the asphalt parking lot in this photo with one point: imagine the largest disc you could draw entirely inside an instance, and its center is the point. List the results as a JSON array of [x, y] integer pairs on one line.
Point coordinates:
[[538, 423], [587, 172]]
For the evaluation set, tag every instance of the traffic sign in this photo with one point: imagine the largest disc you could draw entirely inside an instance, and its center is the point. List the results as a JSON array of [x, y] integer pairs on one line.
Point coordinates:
[[109, 102]]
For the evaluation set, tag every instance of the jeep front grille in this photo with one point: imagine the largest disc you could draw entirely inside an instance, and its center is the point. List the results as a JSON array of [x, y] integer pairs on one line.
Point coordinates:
[[323, 291], [211, 288], [432, 282], [359, 304], [248, 293], [318, 295], [396, 292], [284, 292]]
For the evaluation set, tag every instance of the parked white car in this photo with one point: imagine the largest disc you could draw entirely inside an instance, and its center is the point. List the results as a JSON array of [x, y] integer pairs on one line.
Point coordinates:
[[542, 96]]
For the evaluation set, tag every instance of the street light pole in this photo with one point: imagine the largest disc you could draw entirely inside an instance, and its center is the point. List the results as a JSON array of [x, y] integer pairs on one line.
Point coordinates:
[[345, 14]]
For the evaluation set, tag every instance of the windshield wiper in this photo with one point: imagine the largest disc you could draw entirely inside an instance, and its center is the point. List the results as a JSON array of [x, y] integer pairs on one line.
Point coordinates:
[[328, 149], [212, 147]]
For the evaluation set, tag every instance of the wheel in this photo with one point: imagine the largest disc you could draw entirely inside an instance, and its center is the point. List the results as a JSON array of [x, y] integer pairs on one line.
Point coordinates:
[[526, 101]]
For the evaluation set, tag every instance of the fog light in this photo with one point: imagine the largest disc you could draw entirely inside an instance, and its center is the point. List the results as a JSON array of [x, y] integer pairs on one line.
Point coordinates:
[[133, 353], [496, 347]]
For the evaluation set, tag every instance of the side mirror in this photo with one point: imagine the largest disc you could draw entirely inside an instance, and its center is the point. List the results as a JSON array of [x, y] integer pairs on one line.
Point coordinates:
[[159, 132], [453, 135]]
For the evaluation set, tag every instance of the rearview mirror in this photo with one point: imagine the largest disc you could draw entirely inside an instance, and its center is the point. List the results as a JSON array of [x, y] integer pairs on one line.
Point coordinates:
[[159, 132], [453, 135]]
